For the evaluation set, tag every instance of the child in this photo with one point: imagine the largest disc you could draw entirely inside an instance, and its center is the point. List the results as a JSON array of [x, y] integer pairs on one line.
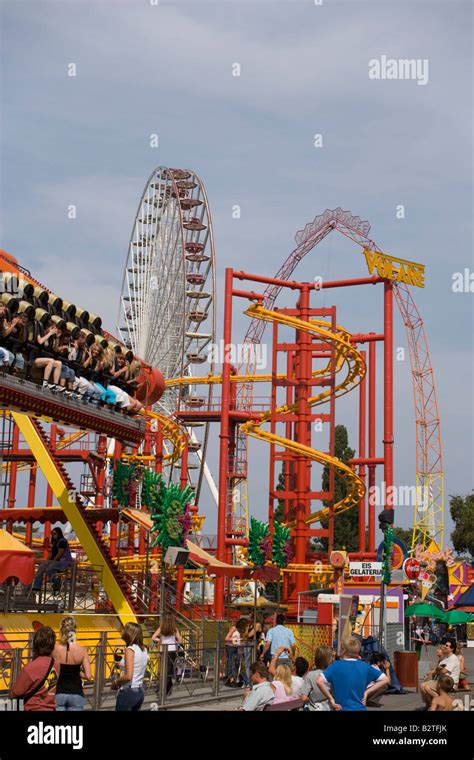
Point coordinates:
[[349, 679], [442, 701]]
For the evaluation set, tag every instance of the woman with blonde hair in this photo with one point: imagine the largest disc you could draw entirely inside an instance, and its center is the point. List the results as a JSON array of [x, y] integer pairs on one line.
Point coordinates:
[[130, 684], [74, 666], [282, 685]]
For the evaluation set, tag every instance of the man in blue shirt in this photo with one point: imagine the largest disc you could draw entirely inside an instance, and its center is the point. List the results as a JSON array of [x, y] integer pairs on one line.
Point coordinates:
[[345, 683], [280, 636]]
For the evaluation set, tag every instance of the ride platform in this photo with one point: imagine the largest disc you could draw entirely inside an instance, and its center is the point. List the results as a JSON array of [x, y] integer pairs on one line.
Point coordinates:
[[20, 395]]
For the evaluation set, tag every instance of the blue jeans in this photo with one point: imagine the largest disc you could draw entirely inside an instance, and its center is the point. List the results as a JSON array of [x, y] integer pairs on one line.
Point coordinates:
[[129, 699], [248, 654], [50, 567], [67, 373], [231, 655], [69, 702], [9, 359]]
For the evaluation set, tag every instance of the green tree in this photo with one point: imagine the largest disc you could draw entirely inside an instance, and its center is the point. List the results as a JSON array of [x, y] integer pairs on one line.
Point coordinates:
[[346, 526], [462, 513], [403, 534], [278, 512]]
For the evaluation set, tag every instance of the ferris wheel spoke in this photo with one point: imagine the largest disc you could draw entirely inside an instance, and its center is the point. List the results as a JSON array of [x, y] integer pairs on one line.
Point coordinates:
[[167, 305]]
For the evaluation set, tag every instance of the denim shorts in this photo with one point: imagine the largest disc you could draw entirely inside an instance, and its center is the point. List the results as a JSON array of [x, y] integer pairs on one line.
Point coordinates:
[[67, 373], [69, 702]]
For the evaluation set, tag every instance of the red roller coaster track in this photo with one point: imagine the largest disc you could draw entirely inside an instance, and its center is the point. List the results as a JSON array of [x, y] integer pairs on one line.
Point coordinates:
[[429, 509]]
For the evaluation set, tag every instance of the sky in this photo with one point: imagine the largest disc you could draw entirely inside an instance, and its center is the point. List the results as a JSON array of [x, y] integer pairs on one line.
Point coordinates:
[[166, 68]]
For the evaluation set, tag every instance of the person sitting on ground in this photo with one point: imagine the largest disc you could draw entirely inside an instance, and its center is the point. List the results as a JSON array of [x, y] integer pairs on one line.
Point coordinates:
[[282, 685], [448, 664], [311, 694], [428, 687], [261, 693], [280, 637], [60, 559], [442, 702], [36, 684], [349, 678], [379, 662], [298, 668], [298, 673]]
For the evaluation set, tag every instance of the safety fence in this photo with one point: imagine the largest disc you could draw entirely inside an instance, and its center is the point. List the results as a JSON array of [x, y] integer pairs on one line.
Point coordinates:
[[190, 674]]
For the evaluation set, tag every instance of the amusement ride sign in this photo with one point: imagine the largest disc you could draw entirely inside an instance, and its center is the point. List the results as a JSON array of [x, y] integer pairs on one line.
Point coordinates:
[[395, 269]]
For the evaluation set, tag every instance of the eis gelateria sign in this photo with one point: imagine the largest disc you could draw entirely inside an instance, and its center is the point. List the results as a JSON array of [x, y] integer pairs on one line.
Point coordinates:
[[395, 269]]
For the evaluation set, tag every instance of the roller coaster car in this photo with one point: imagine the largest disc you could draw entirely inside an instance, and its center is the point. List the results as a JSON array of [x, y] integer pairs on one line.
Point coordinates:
[[21, 395]]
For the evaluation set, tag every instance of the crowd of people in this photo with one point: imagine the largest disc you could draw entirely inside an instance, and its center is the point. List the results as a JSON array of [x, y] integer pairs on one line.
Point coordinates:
[[345, 682], [53, 680], [329, 683], [70, 361], [449, 673]]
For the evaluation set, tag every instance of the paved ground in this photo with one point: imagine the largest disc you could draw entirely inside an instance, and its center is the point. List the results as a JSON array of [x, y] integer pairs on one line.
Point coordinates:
[[391, 702]]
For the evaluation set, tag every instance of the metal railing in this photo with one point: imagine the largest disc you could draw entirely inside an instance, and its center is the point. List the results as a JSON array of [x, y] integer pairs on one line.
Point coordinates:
[[81, 591], [194, 674]]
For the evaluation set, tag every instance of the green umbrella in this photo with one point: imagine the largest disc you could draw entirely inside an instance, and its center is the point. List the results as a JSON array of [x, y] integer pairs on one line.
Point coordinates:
[[424, 609], [456, 617]]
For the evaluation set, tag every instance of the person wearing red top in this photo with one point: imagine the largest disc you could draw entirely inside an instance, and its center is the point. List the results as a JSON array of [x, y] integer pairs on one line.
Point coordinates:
[[36, 684]]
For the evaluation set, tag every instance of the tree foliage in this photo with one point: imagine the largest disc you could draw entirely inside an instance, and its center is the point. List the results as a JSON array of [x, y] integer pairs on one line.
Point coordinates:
[[462, 513], [403, 534], [346, 526]]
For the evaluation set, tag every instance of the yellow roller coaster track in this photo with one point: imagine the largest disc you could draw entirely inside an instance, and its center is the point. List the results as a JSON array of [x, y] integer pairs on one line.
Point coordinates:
[[171, 432], [346, 355]]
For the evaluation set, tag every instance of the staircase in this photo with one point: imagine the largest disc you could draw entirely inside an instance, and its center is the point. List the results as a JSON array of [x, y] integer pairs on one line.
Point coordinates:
[[117, 585]]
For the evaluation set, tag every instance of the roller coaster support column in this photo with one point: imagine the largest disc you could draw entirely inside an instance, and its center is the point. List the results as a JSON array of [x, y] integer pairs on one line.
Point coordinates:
[[388, 390], [303, 433], [13, 474], [100, 475], [49, 499], [362, 426], [31, 503], [180, 568], [114, 529], [224, 445]]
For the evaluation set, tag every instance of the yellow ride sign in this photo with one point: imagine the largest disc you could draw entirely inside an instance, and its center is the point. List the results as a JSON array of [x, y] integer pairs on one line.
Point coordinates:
[[395, 269]]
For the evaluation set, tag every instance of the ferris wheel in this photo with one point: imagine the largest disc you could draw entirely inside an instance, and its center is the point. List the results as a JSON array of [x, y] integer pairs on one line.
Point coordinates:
[[167, 305]]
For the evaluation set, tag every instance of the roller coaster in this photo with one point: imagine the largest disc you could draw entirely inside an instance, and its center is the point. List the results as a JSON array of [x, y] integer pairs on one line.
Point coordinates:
[[167, 324]]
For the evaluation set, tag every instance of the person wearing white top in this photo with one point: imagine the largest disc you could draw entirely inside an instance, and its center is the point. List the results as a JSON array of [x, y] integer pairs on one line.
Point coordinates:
[[450, 662], [130, 684], [167, 635]]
